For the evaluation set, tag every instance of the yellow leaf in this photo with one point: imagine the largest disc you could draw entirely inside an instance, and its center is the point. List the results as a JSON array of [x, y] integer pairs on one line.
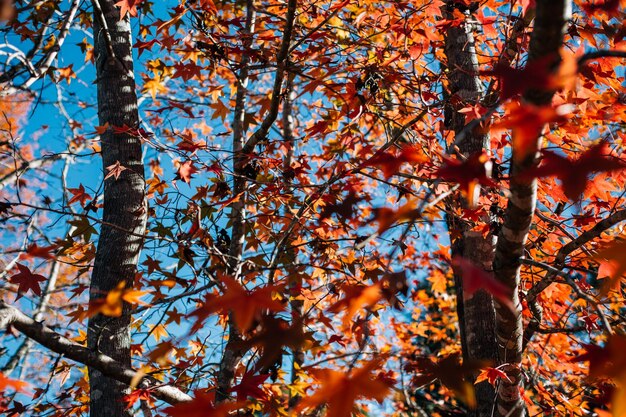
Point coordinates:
[[133, 296], [154, 86], [158, 332], [138, 376], [438, 281]]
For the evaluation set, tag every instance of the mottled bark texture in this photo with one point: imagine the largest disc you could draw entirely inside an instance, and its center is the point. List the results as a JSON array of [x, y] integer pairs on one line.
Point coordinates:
[[124, 202], [476, 314], [546, 41]]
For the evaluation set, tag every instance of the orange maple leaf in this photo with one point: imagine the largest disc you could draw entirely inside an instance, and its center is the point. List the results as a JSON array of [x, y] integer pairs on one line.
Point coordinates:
[[612, 265], [113, 303], [386, 217], [527, 123], [357, 297], [186, 171], [340, 390], [17, 385], [245, 305], [115, 170], [128, 6], [66, 73]]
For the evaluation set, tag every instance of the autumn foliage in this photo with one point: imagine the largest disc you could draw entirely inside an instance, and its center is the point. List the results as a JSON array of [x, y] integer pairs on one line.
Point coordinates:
[[306, 186]]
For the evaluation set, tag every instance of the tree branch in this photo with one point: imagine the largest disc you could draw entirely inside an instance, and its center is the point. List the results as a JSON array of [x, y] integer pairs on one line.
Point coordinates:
[[43, 65], [603, 53], [281, 61], [11, 316]]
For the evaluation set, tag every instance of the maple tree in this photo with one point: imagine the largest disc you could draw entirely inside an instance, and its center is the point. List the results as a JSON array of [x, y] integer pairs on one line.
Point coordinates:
[[333, 207]]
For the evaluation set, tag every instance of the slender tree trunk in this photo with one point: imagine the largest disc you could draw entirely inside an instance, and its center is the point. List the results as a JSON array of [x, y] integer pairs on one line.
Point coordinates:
[[476, 314], [242, 148], [296, 303], [546, 41], [233, 351], [124, 202]]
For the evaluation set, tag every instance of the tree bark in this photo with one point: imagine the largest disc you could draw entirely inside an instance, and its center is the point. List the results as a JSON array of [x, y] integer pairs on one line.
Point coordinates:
[[546, 41], [124, 202], [476, 314]]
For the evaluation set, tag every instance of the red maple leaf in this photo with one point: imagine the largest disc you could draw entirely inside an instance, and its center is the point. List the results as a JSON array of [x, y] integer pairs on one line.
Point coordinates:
[[609, 6], [609, 361], [469, 174], [245, 305], [527, 4], [514, 81], [274, 334], [475, 279], [27, 280], [187, 71], [451, 372], [574, 173], [345, 209], [79, 195], [202, 406], [196, 224], [250, 386], [36, 251], [390, 164], [138, 394]]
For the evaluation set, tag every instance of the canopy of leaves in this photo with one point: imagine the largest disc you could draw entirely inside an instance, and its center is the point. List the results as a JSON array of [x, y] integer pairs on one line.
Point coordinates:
[[299, 195]]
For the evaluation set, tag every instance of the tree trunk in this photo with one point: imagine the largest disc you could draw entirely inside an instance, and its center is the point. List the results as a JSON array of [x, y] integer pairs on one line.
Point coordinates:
[[476, 314], [546, 41], [233, 352], [124, 201]]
